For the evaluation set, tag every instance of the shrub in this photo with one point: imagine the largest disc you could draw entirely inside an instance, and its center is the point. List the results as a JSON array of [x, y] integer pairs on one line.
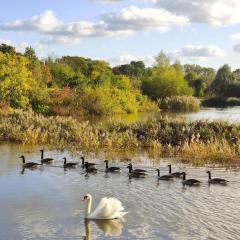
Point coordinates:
[[179, 103]]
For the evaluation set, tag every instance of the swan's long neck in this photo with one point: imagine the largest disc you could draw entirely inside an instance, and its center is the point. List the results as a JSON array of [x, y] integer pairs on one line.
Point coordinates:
[[88, 208]]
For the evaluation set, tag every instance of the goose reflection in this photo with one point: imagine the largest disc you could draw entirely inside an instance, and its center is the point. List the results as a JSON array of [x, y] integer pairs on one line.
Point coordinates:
[[110, 228]]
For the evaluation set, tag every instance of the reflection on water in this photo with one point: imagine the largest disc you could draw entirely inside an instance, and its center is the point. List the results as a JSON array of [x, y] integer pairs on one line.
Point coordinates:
[[231, 114], [110, 228], [46, 203]]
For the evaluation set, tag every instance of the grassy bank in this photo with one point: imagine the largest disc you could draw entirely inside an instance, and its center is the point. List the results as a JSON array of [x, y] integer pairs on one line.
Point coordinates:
[[198, 142]]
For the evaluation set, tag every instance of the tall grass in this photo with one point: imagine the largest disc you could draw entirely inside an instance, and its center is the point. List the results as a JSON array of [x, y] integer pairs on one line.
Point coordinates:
[[180, 104], [197, 142]]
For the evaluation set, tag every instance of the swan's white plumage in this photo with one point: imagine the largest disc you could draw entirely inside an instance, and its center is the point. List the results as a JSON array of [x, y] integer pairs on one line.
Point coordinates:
[[108, 208]]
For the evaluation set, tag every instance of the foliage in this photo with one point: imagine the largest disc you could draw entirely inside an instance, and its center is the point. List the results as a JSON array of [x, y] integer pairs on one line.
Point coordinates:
[[4, 48], [14, 80], [180, 104], [166, 82], [104, 101], [199, 78], [162, 60], [223, 79]]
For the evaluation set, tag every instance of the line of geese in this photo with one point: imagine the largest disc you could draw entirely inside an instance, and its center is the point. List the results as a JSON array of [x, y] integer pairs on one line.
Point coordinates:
[[133, 173]]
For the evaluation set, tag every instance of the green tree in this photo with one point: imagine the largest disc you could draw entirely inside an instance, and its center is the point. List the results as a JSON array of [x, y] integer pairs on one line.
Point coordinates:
[[223, 79], [4, 48], [14, 80], [121, 82], [166, 82], [30, 54]]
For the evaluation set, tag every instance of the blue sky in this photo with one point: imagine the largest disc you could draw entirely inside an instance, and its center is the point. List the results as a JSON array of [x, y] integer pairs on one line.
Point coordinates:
[[198, 31]]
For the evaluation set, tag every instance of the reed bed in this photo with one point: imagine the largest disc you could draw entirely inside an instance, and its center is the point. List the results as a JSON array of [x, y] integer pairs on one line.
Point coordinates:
[[179, 104], [196, 142]]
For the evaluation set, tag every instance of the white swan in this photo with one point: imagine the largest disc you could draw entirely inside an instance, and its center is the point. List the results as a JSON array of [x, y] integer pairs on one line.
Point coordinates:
[[107, 209]]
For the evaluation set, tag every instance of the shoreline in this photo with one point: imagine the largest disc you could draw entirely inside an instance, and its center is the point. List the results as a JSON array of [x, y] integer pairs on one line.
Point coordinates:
[[199, 142]]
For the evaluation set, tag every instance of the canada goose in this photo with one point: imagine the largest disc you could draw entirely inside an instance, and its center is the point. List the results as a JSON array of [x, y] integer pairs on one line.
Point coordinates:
[[89, 164], [45, 160], [111, 169], [69, 164], [164, 177], [216, 180], [90, 169], [133, 174], [189, 182], [175, 174], [136, 170], [29, 164]]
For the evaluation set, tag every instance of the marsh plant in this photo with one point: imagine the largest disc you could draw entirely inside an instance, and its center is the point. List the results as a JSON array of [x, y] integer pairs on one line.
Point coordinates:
[[179, 104], [197, 141]]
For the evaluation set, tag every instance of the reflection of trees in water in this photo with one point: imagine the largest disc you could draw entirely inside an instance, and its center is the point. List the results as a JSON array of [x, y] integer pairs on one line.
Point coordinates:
[[110, 228]]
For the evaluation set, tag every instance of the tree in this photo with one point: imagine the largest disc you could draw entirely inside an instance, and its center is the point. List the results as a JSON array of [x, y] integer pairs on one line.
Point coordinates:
[[14, 80], [162, 60], [236, 75], [30, 54], [223, 79], [121, 82], [100, 73], [166, 82], [199, 78], [4, 48]]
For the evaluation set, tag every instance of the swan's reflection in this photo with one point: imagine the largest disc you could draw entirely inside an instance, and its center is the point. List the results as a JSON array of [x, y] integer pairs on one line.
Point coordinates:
[[110, 228]]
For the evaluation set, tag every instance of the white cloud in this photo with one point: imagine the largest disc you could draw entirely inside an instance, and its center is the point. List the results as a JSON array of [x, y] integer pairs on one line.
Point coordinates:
[[123, 22], [138, 19], [198, 53], [237, 47], [235, 37], [214, 12], [127, 58]]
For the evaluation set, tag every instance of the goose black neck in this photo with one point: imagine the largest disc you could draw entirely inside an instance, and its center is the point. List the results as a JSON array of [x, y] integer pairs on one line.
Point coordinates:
[[65, 160], [23, 159], [184, 176], [170, 168], [130, 168], [158, 172], [41, 154], [82, 160], [106, 163], [209, 175]]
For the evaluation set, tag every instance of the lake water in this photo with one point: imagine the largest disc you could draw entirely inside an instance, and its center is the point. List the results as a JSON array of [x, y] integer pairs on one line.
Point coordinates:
[[230, 114], [46, 203]]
